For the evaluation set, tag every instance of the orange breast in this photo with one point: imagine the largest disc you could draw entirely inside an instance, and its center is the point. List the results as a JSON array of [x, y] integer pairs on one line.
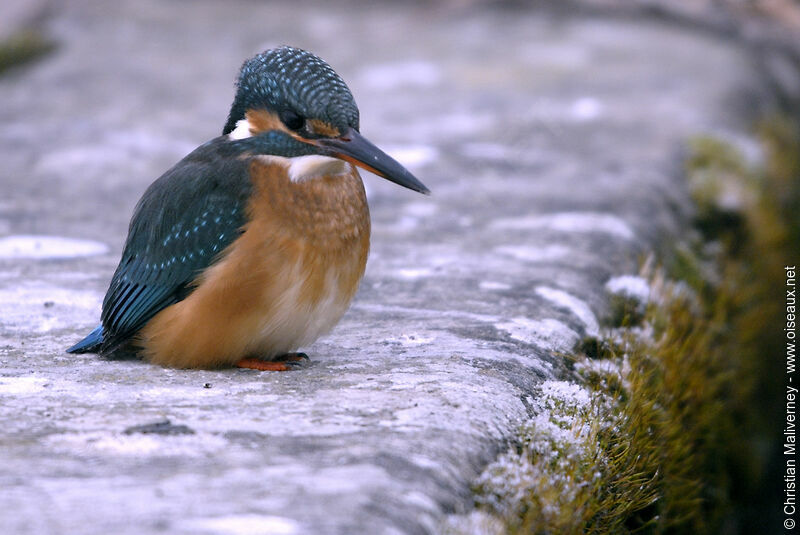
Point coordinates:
[[284, 282]]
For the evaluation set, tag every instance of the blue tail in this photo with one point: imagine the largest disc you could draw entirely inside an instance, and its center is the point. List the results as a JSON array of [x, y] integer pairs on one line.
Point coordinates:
[[90, 344]]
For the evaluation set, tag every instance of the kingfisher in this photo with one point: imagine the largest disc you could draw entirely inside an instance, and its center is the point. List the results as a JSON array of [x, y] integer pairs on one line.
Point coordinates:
[[254, 244]]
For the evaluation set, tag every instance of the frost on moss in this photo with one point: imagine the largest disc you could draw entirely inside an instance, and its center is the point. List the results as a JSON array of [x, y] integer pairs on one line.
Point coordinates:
[[552, 441], [663, 431], [553, 474], [613, 451], [629, 295]]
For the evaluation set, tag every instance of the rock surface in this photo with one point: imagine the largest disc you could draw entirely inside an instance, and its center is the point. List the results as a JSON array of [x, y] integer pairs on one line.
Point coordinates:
[[551, 144]]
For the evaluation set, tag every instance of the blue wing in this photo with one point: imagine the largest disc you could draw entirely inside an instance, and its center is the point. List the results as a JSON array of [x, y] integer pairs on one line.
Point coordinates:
[[92, 343], [181, 224]]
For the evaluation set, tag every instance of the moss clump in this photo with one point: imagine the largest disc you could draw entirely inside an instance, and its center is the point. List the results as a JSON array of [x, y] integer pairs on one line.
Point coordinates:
[[595, 348], [625, 311], [721, 185], [673, 438], [23, 47], [646, 458]]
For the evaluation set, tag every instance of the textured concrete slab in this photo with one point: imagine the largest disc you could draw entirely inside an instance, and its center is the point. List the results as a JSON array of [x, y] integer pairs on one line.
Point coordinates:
[[551, 146]]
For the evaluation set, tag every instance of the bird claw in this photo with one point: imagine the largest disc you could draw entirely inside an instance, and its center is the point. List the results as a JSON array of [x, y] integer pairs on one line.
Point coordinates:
[[300, 358]]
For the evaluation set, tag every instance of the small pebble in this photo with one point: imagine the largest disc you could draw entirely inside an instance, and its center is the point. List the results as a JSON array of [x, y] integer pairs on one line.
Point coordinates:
[[164, 427], [48, 304]]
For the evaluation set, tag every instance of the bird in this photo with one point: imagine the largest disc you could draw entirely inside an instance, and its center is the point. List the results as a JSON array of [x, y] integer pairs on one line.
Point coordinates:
[[253, 245]]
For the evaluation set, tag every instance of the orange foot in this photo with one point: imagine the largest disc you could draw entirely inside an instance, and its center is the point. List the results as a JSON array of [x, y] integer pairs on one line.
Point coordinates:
[[281, 363]]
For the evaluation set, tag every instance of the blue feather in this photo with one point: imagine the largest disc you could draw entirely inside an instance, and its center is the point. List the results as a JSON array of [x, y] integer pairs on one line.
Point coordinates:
[[90, 344]]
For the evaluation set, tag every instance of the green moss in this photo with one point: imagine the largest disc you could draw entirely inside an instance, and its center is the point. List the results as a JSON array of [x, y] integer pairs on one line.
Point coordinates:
[[721, 185], [594, 347], [675, 440], [23, 47], [625, 311]]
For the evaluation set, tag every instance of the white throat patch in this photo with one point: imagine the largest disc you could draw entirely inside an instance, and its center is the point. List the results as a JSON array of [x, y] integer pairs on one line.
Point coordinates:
[[302, 168], [242, 130], [308, 167]]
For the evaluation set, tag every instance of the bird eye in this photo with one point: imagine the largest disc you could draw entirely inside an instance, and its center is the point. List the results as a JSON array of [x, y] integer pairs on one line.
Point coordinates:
[[292, 120]]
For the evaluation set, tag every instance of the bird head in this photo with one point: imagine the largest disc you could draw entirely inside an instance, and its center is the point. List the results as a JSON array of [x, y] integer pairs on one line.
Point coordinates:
[[296, 105]]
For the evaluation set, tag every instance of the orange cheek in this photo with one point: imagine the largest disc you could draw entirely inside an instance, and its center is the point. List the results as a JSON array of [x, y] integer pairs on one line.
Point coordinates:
[[323, 129], [263, 121]]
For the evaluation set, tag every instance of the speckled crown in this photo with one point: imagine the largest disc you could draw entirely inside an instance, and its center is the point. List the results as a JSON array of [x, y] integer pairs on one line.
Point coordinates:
[[290, 78]]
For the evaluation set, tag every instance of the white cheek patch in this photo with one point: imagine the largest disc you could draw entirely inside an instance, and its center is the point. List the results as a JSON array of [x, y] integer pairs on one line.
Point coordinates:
[[308, 167], [242, 130]]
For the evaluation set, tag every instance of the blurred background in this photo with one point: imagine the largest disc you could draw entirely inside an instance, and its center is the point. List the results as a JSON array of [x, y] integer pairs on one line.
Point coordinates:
[[90, 117]]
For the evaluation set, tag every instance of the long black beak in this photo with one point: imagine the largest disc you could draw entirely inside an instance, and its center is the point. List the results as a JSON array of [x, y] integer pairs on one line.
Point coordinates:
[[354, 148]]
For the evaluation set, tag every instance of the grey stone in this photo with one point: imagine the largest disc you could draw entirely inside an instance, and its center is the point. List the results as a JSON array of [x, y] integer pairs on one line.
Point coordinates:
[[551, 144]]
